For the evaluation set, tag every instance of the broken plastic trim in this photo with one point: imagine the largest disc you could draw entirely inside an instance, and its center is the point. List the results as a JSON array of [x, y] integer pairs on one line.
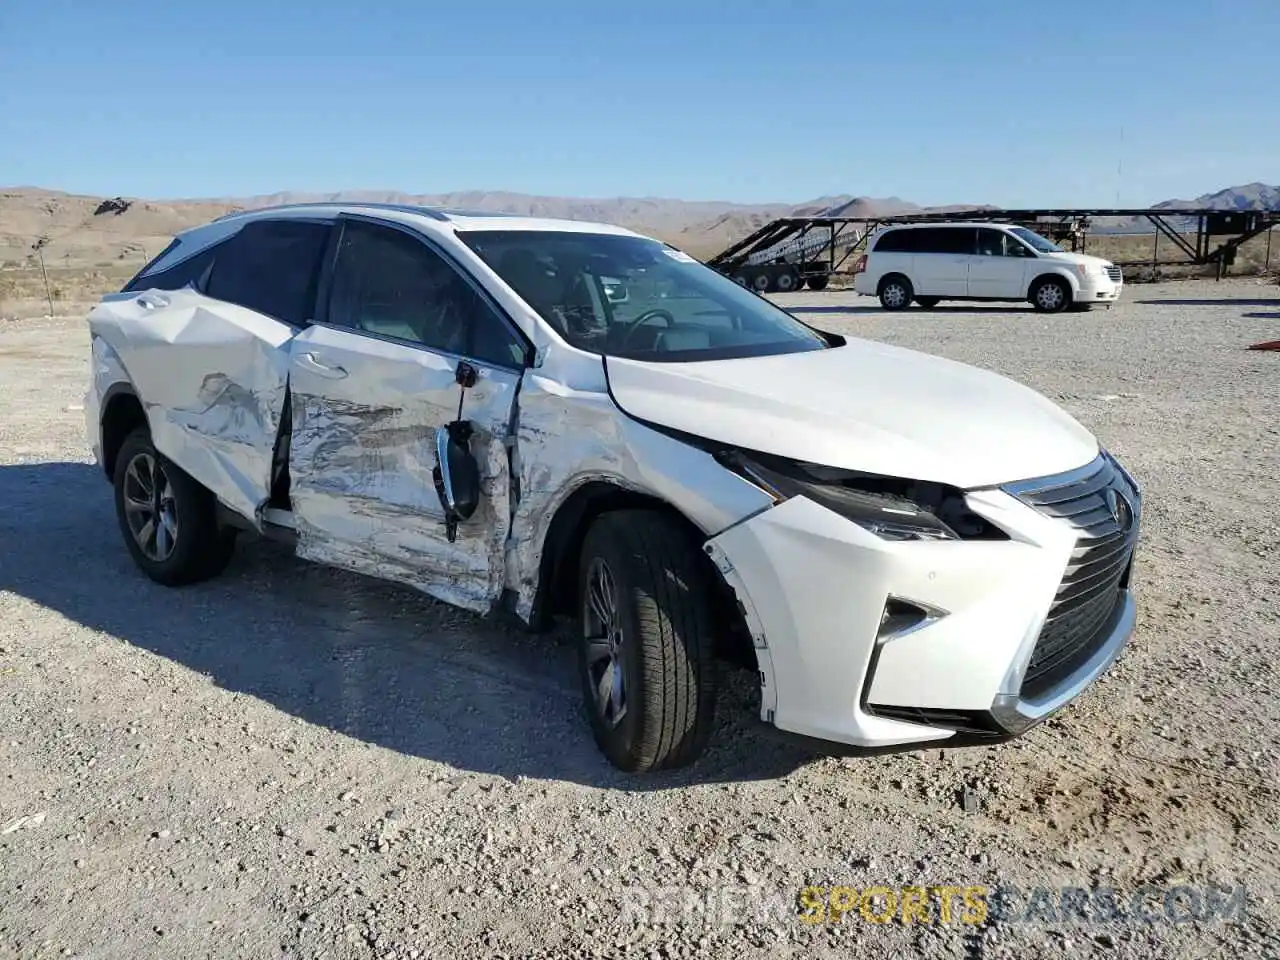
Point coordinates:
[[891, 508]]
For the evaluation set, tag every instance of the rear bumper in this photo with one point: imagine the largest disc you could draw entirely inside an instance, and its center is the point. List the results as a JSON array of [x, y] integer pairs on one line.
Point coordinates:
[[815, 587]]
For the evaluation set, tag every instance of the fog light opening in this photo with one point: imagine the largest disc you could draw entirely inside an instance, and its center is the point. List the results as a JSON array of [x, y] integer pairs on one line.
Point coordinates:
[[902, 616]]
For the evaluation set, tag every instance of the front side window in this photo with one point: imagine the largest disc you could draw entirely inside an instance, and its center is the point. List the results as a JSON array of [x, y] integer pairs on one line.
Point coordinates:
[[638, 298], [1035, 241], [390, 283]]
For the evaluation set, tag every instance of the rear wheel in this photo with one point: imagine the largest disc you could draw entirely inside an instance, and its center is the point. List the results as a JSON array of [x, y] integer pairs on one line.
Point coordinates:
[[787, 282], [1050, 295], [761, 283], [895, 292], [168, 520], [645, 657], [928, 302]]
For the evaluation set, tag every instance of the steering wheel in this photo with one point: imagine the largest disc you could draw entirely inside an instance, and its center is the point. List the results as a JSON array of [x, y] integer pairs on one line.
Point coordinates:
[[644, 318]]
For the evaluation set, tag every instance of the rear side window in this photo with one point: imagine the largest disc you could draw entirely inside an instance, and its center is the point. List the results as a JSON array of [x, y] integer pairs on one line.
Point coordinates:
[[961, 240], [271, 266]]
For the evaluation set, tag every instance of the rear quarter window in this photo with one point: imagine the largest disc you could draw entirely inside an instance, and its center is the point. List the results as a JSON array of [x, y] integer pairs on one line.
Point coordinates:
[[896, 241], [190, 271]]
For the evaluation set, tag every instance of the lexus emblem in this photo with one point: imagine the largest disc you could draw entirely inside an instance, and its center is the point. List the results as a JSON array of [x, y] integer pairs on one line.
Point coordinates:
[[1119, 507]]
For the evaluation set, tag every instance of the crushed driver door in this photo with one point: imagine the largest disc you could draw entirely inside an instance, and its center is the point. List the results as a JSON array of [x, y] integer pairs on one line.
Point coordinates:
[[370, 383]]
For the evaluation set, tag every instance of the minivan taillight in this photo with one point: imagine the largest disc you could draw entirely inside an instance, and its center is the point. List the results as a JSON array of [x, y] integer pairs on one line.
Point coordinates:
[[860, 265]]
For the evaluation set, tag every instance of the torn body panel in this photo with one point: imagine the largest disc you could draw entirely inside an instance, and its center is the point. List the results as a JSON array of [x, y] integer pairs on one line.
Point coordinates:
[[211, 377], [106, 372], [365, 411], [569, 437]]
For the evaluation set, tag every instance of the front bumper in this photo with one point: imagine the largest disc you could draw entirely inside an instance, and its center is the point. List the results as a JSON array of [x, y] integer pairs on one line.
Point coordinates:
[[814, 587], [1099, 290]]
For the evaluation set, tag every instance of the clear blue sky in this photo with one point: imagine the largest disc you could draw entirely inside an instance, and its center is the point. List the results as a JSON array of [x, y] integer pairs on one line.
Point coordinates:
[[1005, 101]]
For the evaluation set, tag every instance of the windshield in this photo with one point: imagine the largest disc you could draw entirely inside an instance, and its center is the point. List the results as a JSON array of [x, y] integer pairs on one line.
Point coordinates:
[[631, 297], [1035, 241]]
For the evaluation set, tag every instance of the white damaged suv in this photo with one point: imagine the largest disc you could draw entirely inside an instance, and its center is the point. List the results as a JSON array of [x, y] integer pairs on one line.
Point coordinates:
[[571, 419]]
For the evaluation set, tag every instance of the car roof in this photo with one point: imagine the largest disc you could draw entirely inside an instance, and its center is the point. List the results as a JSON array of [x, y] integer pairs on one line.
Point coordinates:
[[949, 223], [433, 218]]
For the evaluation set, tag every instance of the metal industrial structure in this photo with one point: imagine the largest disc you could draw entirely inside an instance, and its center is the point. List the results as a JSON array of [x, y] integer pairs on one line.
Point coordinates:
[[791, 252]]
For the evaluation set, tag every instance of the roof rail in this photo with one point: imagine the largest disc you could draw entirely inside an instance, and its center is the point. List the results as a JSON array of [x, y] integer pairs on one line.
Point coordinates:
[[432, 212]]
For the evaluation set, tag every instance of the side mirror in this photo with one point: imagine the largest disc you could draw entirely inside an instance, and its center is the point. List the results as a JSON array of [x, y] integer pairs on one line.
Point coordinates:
[[456, 475]]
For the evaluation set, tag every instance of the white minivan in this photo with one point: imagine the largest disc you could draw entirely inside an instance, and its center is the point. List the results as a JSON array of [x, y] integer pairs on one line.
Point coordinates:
[[932, 262], [570, 420]]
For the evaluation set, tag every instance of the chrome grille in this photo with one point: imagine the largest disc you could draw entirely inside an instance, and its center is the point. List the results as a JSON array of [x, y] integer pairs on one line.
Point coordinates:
[[1114, 273], [1104, 508]]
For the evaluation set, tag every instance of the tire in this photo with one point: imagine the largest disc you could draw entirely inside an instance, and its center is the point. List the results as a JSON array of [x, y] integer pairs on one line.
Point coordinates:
[[928, 302], [1050, 295], [187, 547], [817, 283], [761, 282], [660, 641], [787, 282], [741, 280], [895, 292]]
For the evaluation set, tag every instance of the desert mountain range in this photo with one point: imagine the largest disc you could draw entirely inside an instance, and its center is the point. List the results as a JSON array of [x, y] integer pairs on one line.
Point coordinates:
[[87, 230]]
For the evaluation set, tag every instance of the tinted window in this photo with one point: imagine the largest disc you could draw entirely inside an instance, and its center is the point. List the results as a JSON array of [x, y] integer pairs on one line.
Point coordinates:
[[952, 240], [627, 296], [392, 284], [192, 271], [897, 241], [991, 242], [271, 266]]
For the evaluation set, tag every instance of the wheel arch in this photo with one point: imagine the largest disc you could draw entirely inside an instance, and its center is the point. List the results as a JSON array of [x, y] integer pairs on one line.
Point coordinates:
[[890, 275], [558, 565], [122, 413], [1066, 276]]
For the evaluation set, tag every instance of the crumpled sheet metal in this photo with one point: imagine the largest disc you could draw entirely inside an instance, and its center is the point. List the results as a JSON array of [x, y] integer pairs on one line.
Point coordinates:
[[568, 438], [212, 379], [105, 371], [364, 500]]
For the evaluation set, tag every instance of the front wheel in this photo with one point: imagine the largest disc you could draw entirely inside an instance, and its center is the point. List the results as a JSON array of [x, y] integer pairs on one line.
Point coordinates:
[[1051, 295], [169, 521], [645, 657]]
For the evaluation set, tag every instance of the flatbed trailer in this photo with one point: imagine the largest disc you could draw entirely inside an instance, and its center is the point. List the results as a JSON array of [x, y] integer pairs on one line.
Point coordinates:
[[792, 252]]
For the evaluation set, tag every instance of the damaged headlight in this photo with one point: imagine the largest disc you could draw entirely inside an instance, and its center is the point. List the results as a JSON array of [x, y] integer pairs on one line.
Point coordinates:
[[889, 507]]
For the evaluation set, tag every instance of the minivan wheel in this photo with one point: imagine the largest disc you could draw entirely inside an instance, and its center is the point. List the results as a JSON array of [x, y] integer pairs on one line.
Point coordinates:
[[645, 657], [1051, 295], [168, 520], [895, 292], [928, 302]]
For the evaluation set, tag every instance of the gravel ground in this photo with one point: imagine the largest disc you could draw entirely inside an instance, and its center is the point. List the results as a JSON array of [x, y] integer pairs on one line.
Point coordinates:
[[296, 762]]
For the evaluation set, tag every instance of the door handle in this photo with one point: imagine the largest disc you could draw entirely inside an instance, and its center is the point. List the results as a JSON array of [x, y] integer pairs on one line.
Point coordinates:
[[309, 362], [151, 301]]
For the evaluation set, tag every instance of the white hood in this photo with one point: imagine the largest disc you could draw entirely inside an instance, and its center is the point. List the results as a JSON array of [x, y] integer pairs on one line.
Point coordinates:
[[865, 406], [1066, 256]]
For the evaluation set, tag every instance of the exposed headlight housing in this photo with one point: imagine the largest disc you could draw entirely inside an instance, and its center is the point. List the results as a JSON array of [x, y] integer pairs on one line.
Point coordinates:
[[889, 507]]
